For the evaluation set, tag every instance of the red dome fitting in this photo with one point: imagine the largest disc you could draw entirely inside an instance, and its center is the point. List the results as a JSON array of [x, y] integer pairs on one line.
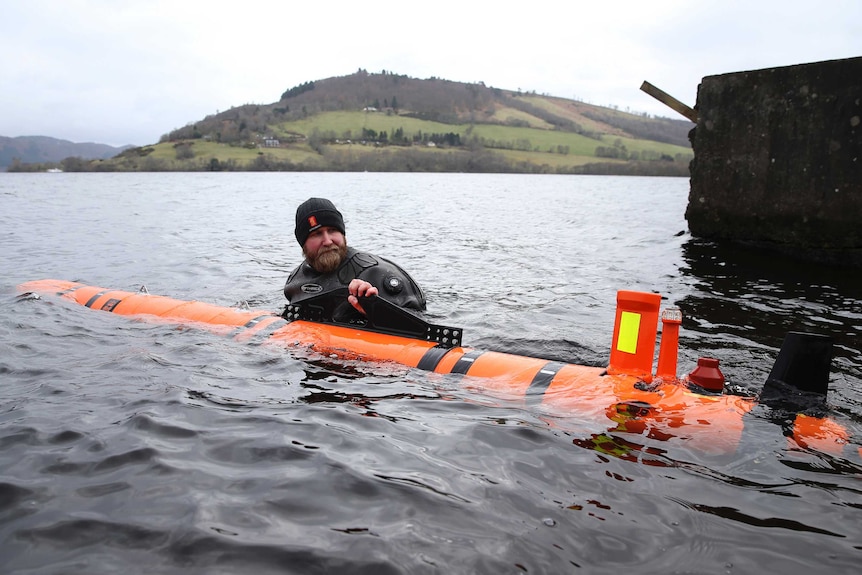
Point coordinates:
[[707, 374]]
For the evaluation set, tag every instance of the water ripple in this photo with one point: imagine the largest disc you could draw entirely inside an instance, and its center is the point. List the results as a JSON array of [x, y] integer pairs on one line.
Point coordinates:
[[134, 447]]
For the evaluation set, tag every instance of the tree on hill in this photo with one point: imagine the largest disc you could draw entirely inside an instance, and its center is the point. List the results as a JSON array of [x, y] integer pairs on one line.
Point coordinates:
[[297, 90]]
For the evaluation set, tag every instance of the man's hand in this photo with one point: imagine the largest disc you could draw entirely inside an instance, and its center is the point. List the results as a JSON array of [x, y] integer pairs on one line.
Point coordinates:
[[359, 288]]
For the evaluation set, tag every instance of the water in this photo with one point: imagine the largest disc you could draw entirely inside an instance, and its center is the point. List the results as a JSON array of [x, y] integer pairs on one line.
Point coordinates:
[[147, 448]]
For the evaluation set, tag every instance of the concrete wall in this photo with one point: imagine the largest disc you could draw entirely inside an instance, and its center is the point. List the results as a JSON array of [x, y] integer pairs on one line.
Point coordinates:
[[778, 160]]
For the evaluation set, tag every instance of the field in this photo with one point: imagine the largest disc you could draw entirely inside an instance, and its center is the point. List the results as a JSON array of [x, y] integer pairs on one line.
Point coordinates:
[[341, 140]]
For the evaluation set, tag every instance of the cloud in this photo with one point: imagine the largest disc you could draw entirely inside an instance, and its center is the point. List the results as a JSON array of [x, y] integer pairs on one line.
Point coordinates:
[[118, 73]]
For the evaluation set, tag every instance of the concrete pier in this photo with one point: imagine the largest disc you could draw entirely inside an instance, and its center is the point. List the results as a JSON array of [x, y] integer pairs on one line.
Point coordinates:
[[778, 160]]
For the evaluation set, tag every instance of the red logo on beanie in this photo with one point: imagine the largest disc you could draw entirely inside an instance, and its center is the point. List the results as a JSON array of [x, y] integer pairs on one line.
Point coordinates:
[[312, 221]]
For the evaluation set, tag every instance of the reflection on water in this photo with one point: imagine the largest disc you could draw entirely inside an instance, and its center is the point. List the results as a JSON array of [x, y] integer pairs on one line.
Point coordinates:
[[744, 291]]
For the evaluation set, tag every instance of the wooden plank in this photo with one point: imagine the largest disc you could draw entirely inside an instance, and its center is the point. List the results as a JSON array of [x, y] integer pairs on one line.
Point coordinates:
[[669, 101]]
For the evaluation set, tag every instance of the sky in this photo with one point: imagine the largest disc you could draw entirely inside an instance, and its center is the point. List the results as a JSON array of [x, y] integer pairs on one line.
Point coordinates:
[[121, 72]]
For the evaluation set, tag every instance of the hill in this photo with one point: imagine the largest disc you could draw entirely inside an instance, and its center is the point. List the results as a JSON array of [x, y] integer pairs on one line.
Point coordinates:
[[389, 122], [42, 149]]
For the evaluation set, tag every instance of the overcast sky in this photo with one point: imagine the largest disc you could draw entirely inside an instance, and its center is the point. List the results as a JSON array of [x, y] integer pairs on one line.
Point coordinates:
[[126, 72]]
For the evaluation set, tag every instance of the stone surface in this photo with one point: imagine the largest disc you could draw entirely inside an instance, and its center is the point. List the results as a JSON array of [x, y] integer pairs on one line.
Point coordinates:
[[778, 160]]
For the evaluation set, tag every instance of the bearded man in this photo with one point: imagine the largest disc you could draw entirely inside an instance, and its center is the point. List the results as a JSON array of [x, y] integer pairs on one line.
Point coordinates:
[[331, 265]]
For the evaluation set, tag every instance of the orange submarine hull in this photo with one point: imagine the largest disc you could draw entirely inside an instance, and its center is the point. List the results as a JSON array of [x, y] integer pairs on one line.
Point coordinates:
[[625, 396]]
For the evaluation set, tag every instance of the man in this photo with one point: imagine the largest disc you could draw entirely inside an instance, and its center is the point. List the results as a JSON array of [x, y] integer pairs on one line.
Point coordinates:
[[330, 264]]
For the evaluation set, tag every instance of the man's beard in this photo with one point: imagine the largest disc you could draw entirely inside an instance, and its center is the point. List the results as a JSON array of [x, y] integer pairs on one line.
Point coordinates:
[[327, 259]]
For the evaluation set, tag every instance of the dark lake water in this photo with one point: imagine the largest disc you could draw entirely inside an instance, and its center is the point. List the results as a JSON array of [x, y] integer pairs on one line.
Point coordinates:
[[133, 447]]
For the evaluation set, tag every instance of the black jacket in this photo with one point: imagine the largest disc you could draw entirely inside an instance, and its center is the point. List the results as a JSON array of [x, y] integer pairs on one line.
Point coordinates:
[[392, 282]]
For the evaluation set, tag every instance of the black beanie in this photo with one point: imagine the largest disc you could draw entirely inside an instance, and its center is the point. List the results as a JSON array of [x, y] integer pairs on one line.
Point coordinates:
[[316, 213]]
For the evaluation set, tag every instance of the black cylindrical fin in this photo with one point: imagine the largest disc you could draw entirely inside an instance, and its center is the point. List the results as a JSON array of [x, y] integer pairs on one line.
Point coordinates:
[[803, 363]]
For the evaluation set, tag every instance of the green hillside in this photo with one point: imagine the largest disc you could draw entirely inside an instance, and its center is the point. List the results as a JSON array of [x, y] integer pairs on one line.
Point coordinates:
[[389, 122]]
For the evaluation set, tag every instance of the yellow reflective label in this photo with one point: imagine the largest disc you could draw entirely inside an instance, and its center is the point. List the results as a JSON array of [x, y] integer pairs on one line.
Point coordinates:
[[630, 324]]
